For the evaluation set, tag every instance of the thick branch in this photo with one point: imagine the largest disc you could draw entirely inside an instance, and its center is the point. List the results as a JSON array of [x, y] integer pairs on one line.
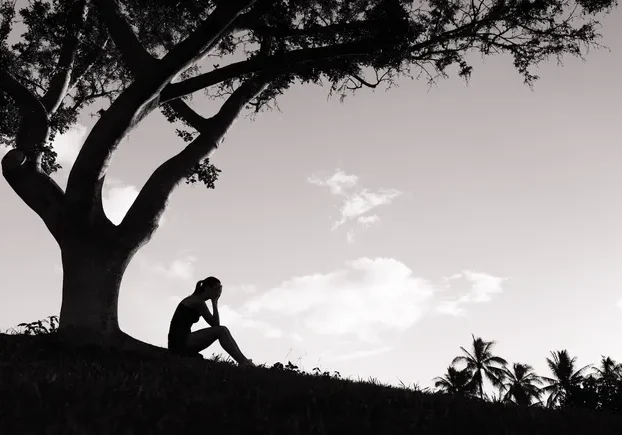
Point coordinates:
[[142, 218], [259, 64], [21, 166], [59, 84], [185, 112], [36, 189], [33, 129], [140, 98], [136, 102], [134, 54]]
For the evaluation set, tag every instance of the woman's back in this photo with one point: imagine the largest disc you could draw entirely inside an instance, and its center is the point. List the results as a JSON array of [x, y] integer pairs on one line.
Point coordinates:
[[184, 317]]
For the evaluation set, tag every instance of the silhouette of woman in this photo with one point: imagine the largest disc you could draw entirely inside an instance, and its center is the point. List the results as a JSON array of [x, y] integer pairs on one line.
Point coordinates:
[[182, 341]]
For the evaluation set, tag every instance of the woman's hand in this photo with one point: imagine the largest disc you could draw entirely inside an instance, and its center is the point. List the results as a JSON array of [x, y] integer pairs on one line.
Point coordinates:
[[216, 296]]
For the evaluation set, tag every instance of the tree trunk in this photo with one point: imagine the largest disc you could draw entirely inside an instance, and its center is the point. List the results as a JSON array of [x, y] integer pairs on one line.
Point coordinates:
[[94, 259], [91, 281]]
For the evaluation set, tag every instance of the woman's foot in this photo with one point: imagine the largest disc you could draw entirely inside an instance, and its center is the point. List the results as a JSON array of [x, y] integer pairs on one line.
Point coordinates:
[[248, 362]]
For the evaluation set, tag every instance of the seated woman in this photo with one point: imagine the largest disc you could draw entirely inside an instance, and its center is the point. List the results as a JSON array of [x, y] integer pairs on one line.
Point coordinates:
[[182, 341]]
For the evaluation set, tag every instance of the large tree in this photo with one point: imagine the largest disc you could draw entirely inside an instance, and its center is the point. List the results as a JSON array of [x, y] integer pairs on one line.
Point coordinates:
[[131, 57]]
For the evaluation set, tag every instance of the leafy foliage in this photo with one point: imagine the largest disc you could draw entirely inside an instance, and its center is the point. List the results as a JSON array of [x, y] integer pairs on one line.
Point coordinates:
[[38, 327], [598, 391], [335, 42]]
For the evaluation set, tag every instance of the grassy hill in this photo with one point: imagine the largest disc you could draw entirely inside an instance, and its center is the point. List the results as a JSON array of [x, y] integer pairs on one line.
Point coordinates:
[[46, 387]]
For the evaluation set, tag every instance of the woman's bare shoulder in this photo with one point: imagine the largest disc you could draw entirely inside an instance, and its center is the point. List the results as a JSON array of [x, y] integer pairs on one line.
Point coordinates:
[[192, 302]]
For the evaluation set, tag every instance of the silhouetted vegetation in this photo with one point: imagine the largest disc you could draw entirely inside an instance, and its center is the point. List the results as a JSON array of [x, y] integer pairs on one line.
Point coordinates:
[[70, 390]]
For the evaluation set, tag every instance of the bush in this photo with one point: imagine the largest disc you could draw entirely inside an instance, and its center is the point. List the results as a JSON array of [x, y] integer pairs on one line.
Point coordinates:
[[38, 328]]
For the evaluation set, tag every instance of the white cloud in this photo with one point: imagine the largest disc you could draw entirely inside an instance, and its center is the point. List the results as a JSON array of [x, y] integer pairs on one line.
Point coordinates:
[[368, 220], [355, 203], [482, 286], [360, 203], [68, 145], [366, 297], [363, 299], [179, 268], [117, 199], [231, 317], [337, 182], [350, 235]]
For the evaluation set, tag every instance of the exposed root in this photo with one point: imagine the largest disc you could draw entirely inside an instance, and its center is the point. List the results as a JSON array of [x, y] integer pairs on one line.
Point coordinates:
[[119, 340]]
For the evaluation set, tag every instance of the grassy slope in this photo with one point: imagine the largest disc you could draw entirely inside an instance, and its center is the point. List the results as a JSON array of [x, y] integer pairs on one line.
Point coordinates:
[[45, 388]]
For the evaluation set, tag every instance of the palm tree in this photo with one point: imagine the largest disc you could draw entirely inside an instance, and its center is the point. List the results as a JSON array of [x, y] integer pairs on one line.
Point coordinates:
[[610, 371], [456, 382], [522, 384], [562, 368], [481, 364]]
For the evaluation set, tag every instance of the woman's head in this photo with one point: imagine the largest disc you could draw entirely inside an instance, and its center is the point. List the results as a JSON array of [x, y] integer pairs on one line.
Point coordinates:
[[208, 288]]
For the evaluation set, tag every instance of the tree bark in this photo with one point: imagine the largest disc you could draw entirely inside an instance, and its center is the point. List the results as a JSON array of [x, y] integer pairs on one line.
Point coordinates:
[[92, 272]]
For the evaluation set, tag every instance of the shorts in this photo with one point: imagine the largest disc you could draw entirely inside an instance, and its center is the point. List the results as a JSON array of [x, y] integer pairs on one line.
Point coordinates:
[[178, 346]]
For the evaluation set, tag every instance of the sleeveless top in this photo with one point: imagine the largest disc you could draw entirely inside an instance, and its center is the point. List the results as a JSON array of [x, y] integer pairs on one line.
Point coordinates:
[[182, 321]]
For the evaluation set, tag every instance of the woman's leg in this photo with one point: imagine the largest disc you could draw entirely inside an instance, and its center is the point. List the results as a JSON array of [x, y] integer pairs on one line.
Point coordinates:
[[203, 338]]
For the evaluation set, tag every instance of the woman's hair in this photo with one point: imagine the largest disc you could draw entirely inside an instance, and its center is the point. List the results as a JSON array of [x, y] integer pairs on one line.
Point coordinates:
[[209, 281]]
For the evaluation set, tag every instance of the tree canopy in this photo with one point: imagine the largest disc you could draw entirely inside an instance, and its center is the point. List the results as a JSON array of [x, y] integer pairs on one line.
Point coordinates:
[[80, 54]]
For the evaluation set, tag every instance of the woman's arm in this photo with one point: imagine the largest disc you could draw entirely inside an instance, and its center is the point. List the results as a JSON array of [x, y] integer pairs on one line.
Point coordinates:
[[209, 318], [216, 316]]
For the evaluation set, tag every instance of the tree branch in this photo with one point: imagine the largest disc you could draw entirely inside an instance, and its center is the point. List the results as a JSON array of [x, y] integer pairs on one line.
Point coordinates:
[[249, 21], [362, 82], [89, 60], [142, 218], [140, 98], [59, 84], [36, 189], [259, 64], [191, 117], [132, 105], [33, 129], [21, 166], [204, 38], [134, 54]]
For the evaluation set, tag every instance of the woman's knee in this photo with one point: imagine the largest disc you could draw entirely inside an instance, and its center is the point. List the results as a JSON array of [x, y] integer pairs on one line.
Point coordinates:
[[221, 329]]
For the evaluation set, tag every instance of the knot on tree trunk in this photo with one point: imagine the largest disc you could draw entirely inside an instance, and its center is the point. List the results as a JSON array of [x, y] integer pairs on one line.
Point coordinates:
[[13, 160]]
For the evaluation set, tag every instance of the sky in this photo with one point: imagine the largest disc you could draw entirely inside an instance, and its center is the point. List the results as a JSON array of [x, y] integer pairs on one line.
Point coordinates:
[[373, 237]]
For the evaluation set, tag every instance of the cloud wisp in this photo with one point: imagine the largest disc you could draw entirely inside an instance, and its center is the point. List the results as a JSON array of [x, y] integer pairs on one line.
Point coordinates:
[[355, 202], [69, 144], [180, 268], [482, 287]]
